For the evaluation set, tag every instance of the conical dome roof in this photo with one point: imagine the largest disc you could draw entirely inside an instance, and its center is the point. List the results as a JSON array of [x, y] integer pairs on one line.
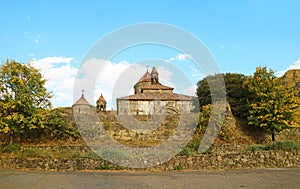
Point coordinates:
[[101, 99], [145, 78]]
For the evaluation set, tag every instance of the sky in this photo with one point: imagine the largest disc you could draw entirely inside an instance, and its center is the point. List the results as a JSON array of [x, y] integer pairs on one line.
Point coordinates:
[[56, 36]]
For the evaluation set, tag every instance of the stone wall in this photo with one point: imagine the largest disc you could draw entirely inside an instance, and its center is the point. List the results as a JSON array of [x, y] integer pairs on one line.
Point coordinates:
[[249, 160], [146, 107]]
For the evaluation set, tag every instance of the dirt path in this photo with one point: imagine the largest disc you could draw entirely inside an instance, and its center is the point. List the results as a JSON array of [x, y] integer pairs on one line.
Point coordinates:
[[263, 178]]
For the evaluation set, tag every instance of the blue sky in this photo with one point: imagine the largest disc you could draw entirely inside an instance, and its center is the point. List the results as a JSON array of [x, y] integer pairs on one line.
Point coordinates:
[[56, 35]]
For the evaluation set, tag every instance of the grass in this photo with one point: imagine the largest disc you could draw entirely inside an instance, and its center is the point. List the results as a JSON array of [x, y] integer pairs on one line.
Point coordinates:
[[278, 145], [18, 151], [108, 166]]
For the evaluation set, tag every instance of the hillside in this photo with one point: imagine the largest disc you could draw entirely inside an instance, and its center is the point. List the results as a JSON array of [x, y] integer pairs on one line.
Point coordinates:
[[292, 79]]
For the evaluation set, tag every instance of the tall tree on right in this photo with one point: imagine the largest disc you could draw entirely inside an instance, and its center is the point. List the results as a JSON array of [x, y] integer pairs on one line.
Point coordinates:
[[271, 105]]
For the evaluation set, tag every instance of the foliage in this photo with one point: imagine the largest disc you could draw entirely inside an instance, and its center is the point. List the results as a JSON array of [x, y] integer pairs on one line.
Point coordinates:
[[108, 166], [57, 126], [177, 167], [235, 93], [271, 105], [187, 151], [278, 145], [10, 148], [23, 99], [291, 79], [283, 145]]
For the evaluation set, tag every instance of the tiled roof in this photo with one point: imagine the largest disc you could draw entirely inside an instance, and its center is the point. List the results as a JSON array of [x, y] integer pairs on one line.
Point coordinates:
[[145, 78], [101, 99], [158, 96], [157, 87], [81, 101]]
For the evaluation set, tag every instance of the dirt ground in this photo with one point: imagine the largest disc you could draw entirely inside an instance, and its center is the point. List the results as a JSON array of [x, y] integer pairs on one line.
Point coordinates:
[[258, 178]]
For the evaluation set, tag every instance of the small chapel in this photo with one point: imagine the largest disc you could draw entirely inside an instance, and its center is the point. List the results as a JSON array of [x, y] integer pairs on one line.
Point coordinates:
[[82, 106], [152, 97]]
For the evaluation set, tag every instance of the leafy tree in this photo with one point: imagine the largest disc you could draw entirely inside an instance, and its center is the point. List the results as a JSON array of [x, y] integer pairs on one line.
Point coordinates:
[[271, 105], [236, 95], [23, 99], [58, 126]]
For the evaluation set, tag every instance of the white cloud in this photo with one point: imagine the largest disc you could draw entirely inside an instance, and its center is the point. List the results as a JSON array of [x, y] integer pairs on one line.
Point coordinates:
[[182, 56], [60, 75], [191, 90], [179, 57], [98, 76], [295, 65]]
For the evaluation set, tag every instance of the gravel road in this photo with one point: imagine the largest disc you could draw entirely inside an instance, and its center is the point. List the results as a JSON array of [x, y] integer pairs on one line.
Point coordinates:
[[257, 178]]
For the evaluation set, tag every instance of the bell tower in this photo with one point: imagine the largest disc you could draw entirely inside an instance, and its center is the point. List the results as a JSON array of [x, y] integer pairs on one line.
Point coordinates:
[[154, 76]]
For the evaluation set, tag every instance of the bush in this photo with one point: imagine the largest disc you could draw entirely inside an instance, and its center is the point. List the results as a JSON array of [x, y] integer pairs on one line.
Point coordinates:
[[177, 167], [283, 145], [279, 145]]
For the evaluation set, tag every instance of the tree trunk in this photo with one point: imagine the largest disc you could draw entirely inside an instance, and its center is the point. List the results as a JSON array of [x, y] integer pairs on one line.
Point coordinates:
[[273, 135], [11, 139]]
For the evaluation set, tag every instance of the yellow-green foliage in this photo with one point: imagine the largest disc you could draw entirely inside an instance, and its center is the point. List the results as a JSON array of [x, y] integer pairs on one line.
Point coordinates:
[[291, 79], [271, 104], [23, 99]]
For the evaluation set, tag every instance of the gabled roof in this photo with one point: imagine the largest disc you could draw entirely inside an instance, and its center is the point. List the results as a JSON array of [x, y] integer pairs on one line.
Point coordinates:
[[158, 96], [157, 86], [81, 101]]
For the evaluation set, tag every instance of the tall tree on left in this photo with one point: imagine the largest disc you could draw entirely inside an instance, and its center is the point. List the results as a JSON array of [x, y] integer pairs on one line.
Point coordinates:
[[23, 100]]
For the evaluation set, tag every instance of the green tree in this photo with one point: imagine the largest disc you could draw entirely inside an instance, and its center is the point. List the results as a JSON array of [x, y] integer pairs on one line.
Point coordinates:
[[59, 127], [235, 93], [271, 105], [23, 99]]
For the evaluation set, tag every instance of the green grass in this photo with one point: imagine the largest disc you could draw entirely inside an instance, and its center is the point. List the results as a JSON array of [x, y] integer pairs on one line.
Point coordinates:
[[283, 145], [255, 147], [108, 166], [278, 145], [18, 151]]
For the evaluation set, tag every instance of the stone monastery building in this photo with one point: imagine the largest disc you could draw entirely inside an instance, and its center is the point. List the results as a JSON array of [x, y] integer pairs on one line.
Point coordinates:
[[151, 97]]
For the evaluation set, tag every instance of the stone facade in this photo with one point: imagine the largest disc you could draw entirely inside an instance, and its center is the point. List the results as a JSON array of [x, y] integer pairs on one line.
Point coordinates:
[[81, 106], [151, 97]]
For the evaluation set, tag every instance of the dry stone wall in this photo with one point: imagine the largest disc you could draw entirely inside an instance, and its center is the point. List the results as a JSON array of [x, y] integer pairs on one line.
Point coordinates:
[[249, 160]]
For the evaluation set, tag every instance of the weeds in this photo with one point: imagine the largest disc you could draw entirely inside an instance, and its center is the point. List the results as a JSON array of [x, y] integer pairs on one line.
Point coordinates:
[[177, 167], [279, 145], [108, 166]]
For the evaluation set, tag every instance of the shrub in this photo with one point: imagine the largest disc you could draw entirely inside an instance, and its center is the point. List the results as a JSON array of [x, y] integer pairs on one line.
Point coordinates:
[[283, 145], [177, 167]]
